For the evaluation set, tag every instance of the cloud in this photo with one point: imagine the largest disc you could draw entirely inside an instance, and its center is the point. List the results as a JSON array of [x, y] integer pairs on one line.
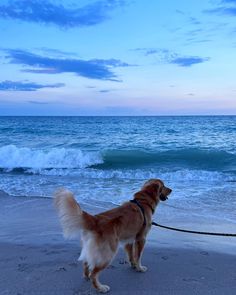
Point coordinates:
[[90, 87], [170, 57], [105, 90], [194, 40], [45, 12], [37, 102], [224, 10], [194, 21], [147, 51], [93, 69], [25, 86], [194, 32], [55, 52], [188, 61], [229, 1], [228, 7], [179, 11]]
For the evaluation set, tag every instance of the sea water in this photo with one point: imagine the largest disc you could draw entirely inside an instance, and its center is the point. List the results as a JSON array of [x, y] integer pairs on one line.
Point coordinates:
[[107, 159]]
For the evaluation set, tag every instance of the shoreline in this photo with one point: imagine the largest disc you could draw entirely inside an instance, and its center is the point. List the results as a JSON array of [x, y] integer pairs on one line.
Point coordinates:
[[35, 258]]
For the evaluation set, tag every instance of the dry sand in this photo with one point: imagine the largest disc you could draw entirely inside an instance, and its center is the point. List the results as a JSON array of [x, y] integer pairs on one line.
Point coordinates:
[[35, 259]]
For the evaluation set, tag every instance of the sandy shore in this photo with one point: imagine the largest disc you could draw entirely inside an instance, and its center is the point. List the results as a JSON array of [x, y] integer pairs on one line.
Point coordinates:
[[35, 259]]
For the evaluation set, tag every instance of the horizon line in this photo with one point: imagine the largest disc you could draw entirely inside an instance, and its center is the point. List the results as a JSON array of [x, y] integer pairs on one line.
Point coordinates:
[[188, 115]]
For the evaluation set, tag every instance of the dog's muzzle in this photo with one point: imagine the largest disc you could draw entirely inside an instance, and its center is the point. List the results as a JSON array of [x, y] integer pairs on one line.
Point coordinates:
[[165, 197]]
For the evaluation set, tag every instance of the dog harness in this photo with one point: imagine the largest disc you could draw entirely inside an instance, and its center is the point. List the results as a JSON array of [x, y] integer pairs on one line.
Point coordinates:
[[141, 208]]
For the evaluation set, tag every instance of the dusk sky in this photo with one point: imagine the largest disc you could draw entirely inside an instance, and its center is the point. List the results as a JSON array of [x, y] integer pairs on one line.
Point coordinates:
[[121, 57]]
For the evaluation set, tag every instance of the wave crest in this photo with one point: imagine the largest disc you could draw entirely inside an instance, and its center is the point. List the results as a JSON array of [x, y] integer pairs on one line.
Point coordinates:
[[17, 159], [12, 157]]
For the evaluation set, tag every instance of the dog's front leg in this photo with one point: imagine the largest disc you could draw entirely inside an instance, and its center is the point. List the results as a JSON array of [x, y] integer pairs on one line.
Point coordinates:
[[138, 250]]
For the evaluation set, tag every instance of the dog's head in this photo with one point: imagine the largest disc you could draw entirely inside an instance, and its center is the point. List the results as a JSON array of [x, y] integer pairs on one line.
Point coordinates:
[[156, 189]]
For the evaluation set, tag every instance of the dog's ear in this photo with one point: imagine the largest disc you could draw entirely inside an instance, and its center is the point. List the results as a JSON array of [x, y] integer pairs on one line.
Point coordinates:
[[152, 188]]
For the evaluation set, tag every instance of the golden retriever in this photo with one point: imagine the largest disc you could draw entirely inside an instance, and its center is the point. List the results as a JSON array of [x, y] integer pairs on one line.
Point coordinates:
[[101, 233]]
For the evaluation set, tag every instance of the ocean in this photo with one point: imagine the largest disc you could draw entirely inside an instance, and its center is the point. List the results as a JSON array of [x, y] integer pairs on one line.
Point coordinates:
[[105, 160]]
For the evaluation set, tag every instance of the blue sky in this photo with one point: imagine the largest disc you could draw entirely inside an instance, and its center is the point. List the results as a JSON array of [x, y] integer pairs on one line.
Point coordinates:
[[120, 57]]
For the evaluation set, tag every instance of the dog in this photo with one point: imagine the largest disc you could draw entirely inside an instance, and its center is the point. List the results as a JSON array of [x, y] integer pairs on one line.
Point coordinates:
[[102, 233]]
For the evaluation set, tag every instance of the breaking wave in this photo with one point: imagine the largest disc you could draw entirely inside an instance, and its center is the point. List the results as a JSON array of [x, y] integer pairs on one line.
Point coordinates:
[[19, 159], [29, 160]]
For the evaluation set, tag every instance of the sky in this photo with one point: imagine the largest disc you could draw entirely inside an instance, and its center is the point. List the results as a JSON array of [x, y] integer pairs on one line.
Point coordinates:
[[118, 57]]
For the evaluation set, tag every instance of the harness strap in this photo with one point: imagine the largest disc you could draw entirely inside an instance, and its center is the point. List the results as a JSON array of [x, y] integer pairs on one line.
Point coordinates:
[[141, 208]]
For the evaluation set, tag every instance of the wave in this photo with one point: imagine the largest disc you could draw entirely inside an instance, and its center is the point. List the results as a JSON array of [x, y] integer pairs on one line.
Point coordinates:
[[184, 175], [181, 158], [14, 158], [139, 174], [20, 160]]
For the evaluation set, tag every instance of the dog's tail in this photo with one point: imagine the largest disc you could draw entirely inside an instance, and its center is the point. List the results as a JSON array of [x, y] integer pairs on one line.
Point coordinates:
[[72, 218]]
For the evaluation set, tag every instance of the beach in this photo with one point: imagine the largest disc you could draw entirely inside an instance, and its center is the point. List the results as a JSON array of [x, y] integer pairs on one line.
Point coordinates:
[[114, 102], [104, 161], [35, 258]]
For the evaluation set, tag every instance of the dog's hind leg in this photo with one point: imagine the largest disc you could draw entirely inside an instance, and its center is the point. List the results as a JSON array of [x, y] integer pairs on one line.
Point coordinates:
[[86, 270], [95, 281], [129, 248], [138, 250]]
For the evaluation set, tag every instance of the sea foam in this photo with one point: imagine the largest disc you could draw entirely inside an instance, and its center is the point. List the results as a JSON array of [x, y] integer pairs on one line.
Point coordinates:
[[14, 157]]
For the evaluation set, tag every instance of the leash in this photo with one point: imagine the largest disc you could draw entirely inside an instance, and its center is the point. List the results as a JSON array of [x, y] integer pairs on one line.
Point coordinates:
[[194, 232], [134, 201]]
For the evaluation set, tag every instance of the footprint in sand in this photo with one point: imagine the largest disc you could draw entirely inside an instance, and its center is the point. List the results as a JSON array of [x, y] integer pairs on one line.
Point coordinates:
[[204, 253], [164, 257], [23, 257], [73, 264], [23, 267], [52, 252], [123, 261], [191, 280], [209, 268], [61, 269]]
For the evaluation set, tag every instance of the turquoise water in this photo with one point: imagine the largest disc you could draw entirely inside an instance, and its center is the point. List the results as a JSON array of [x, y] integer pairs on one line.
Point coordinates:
[[108, 158]]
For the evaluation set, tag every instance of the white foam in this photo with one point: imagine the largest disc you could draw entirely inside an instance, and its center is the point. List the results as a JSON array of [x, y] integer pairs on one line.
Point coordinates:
[[139, 174], [13, 157]]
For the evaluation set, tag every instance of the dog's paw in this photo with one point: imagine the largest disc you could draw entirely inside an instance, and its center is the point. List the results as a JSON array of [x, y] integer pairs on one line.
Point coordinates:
[[86, 277], [103, 289], [133, 265], [141, 268]]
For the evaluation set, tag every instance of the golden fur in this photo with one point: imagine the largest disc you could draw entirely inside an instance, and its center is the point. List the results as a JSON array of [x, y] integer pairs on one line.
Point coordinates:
[[102, 233]]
